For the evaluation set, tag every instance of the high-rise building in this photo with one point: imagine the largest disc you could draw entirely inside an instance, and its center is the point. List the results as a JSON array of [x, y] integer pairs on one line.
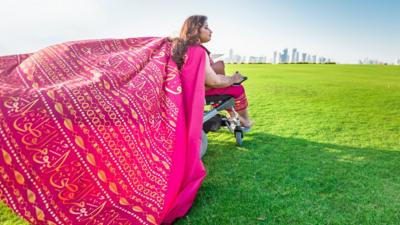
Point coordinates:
[[263, 59], [231, 55], [236, 59], [276, 58], [294, 52], [314, 59], [295, 57], [284, 56], [304, 57], [370, 61], [252, 59], [398, 62]]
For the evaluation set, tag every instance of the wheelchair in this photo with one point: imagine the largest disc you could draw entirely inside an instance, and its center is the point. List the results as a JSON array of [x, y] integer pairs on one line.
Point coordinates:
[[213, 120]]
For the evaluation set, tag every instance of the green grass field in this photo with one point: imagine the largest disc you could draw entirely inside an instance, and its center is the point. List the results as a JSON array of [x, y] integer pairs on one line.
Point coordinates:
[[325, 149]]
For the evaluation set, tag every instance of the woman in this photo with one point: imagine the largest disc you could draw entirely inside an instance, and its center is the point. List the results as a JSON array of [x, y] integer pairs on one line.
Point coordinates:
[[195, 31], [101, 131]]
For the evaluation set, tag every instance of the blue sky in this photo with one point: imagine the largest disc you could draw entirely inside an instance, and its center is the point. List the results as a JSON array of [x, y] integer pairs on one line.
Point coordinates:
[[345, 31]]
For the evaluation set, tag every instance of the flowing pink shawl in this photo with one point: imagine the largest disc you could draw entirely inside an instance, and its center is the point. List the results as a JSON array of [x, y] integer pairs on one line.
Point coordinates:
[[101, 132]]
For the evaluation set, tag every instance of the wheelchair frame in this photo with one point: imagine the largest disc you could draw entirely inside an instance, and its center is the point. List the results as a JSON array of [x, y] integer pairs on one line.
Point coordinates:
[[213, 120]]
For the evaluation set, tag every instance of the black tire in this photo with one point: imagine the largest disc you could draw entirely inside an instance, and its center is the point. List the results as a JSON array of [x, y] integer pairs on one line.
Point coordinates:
[[213, 124], [239, 137]]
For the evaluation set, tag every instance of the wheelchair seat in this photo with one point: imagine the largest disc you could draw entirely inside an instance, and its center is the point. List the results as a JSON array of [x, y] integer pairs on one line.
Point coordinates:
[[216, 99], [219, 103]]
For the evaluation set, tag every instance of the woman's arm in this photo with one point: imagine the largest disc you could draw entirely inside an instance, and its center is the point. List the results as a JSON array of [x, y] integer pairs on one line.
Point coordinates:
[[214, 80]]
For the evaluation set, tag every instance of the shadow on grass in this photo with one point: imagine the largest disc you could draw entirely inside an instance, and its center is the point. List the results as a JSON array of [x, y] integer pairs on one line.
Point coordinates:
[[285, 180], [264, 145]]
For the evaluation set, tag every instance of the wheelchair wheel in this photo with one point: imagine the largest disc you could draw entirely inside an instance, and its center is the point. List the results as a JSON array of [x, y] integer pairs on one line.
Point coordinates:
[[239, 137], [204, 143]]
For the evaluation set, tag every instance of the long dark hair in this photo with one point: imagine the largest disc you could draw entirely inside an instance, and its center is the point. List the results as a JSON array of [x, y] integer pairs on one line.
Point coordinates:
[[189, 35]]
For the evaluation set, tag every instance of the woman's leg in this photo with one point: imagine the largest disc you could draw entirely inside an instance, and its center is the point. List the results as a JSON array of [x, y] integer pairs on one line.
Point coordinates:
[[244, 118], [240, 102]]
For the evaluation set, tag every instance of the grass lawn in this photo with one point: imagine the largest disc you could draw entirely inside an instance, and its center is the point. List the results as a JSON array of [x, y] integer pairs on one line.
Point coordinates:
[[325, 149]]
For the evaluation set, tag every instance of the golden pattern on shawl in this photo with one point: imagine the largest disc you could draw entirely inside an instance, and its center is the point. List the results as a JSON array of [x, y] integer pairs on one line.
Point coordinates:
[[86, 105], [19, 105]]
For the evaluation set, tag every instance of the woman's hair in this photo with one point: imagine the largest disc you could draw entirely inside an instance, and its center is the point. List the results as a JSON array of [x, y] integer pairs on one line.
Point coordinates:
[[189, 35]]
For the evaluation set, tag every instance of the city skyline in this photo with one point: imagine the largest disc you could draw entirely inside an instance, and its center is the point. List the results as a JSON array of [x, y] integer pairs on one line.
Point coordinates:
[[346, 31], [277, 57], [293, 58]]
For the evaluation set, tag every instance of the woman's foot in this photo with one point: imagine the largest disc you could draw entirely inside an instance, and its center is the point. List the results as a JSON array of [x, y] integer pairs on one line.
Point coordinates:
[[246, 123], [246, 129]]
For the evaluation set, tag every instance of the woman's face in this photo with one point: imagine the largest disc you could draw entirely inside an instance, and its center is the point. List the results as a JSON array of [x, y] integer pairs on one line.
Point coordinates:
[[205, 33]]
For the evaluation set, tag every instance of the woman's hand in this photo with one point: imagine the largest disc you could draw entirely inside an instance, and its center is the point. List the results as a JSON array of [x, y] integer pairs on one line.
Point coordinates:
[[237, 77]]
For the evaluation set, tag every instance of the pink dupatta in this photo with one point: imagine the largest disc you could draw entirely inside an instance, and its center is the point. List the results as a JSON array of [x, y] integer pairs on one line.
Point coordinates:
[[101, 131]]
